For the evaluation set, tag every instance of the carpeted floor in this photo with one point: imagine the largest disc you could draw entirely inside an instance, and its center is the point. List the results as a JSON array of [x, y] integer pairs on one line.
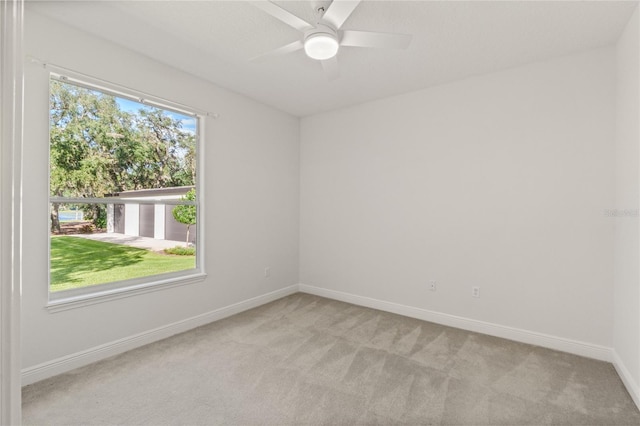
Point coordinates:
[[309, 360]]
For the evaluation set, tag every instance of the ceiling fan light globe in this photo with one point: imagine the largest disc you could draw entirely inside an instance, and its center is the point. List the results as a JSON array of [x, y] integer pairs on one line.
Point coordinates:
[[321, 46]]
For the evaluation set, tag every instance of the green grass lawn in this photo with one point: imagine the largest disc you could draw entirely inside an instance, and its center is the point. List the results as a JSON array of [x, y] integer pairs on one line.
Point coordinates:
[[79, 262]]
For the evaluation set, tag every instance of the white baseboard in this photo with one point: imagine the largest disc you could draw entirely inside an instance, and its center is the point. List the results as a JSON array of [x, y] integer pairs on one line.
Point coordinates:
[[539, 339], [632, 386], [80, 359]]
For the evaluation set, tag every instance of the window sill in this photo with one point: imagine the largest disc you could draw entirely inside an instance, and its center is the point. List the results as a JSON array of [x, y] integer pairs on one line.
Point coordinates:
[[73, 302]]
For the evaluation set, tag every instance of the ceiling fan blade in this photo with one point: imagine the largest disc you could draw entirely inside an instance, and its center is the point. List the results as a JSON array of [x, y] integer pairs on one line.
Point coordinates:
[[339, 11], [372, 39], [283, 15], [330, 67], [287, 48]]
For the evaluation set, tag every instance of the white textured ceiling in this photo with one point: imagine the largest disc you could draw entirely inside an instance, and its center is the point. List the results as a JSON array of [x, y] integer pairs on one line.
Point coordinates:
[[451, 40]]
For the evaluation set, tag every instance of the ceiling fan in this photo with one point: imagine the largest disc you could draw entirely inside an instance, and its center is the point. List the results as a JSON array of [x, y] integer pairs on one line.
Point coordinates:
[[322, 40]]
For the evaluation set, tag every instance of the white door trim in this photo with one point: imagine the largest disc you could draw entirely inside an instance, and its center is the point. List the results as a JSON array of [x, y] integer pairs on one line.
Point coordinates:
[[11, 111]]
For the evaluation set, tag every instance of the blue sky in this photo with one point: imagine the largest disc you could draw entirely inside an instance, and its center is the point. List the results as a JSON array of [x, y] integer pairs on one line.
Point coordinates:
[[188, 122]]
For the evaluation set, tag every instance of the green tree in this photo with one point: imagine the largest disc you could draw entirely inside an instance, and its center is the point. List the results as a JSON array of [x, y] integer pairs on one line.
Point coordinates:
[[186, 213], [82, 125], [97, 149]]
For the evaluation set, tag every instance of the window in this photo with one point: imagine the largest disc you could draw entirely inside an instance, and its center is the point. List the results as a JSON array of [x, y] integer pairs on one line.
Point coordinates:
[[123, 192]]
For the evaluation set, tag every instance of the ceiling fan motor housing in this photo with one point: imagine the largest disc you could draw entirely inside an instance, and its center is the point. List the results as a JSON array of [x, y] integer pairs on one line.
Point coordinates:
[[321, 42]]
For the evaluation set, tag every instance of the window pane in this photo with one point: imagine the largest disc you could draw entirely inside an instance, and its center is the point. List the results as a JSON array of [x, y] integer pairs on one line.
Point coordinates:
[[105, 146]]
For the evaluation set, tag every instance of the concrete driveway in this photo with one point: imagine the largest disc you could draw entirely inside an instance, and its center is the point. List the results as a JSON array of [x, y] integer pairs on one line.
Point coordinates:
[[128, 240]]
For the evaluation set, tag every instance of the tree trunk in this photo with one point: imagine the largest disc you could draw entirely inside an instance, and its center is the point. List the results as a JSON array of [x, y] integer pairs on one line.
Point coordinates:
[[96, 216], [55, 219], [188, 227]]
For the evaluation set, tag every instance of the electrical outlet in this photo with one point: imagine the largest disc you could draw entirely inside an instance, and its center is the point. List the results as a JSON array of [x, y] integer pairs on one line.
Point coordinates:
[[432, 285], [267, 272], [475, 291]]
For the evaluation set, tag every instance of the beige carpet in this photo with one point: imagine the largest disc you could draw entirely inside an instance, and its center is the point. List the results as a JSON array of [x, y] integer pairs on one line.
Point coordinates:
[[309, 360]]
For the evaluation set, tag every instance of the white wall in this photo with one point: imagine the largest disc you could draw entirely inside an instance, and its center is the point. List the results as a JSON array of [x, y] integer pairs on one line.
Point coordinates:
[[251, 205], [626, 325], [498, 181]]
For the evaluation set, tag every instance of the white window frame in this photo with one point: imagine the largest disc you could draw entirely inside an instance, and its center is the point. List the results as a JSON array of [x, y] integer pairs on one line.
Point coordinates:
[[68, 299]]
